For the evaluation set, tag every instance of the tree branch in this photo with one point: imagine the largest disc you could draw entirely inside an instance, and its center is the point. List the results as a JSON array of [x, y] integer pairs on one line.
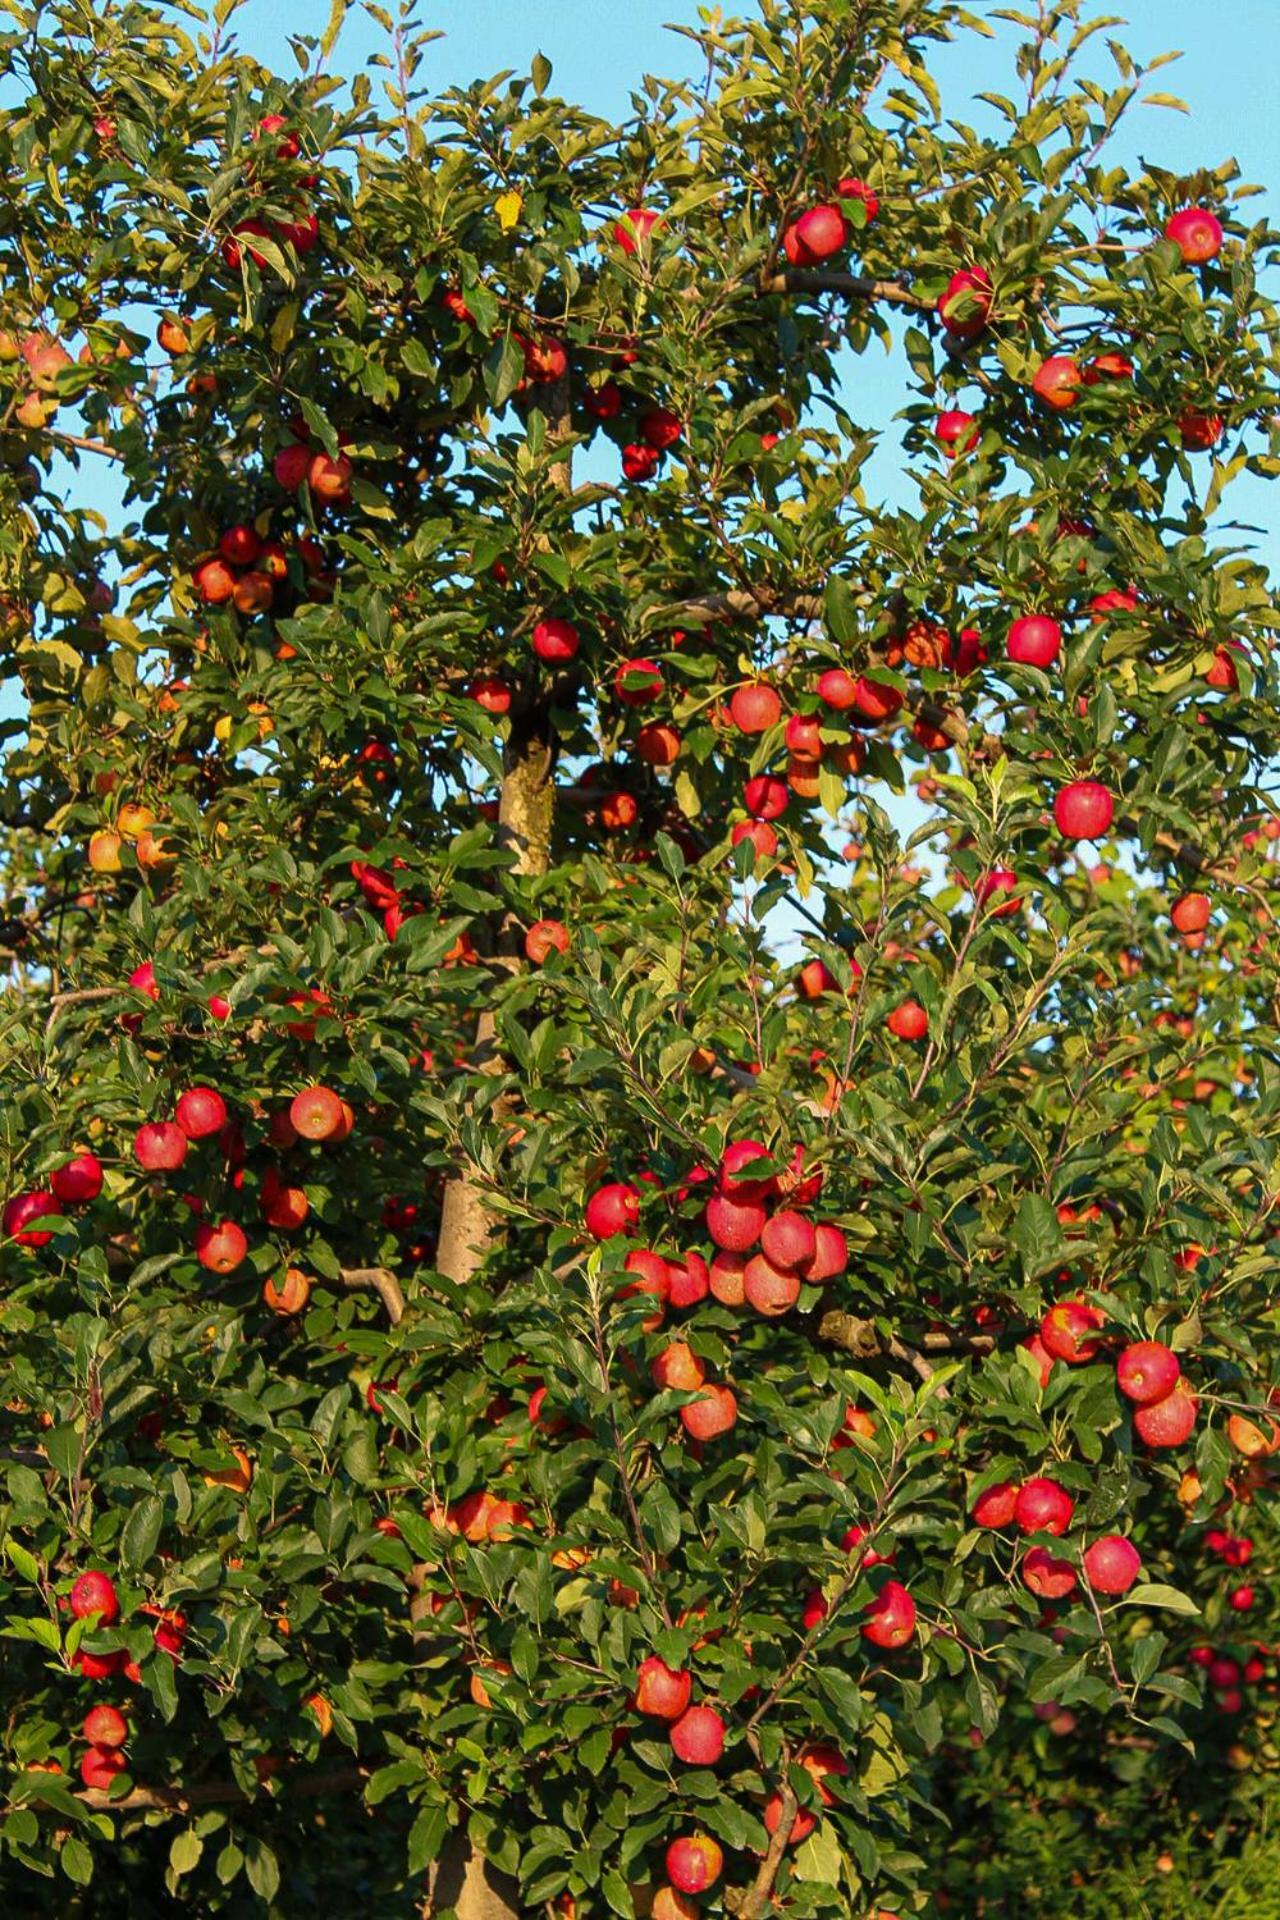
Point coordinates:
[[379, 1280], [218, 1793], [759, 1898], [853, 285]]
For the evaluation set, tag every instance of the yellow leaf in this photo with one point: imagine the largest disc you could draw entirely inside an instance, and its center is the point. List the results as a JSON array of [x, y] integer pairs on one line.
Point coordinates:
[[507, 207]]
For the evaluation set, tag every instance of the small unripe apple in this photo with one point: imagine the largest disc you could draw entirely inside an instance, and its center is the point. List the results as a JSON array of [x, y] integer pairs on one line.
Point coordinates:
[[1034, 641], [1083, 810], [1146, 1371], [1196, 233], [1043, 1506], [1112, 1564]]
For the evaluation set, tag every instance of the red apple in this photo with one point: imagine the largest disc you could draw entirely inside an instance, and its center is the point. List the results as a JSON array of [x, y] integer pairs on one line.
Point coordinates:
[[1196, 233], [694, 1863], [93, 1594], [1065, 1331], [200, 1111], [1057, 381], [220, 1248], [890, 1619], [1046, 1576], [79, 1181], [995, 1506], [611, 1210], [1043, 1506], [556, 641], [1034, 641], [908, 1021], [1083, 810], [714, 1412], [160, 1146], [1112, 1564], [660, 1691], [755, 708], [697, 1737], [1147, 1371], [1168, 1421], [24, 1208]]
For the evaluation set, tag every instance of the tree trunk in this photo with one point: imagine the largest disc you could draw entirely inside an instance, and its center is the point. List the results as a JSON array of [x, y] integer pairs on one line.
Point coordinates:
[[463, 1880]]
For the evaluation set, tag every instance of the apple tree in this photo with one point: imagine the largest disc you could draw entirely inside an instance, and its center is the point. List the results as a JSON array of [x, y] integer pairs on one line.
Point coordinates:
[[639, 1063]]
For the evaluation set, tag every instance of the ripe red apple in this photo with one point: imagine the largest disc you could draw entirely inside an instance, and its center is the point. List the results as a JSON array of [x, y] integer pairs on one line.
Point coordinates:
[[556, 641], [220, 1248], [330, 479], [240, 546], [875, 700], [801, 1827], [837, 689], [768, 1289], [815, 236], [95, 1593], [830, 1255], [1241, 1599], [714, 1412], [1083, 810], [612, 1209], [1196, 233], [694, 1863], [660, 1691], [689, 1280], [908, 1021], [670, 1905], [764, 797], [15, 1223], [1043, 1506], [851, 1540], [214, 582], [803, 737], [745, 1171], [200, 1111], [316, 1113], [637, 682], [100, 1765], [678, 1369], [727, 1278], [957, 431], [997, 891], [964, 307], [995, 1506], [1057, 381], [1112, 1564], [1167, 1422], [291, 466], [105, 1727], [661, 428], [788, 1240], [79, 1181], [890, 1619], [1147, 1371], [492, 694], [545, 937], [1034, 641], [640, 461], [160, 1146], [697, 1737], [1108, 366], [1199, 430], [814, 979], [755, 708], [851, 188], [1065, 1331], [658, 744], [759, 833], [1046, 1576], [1190, 912], [653, 1276], [735, 1225]]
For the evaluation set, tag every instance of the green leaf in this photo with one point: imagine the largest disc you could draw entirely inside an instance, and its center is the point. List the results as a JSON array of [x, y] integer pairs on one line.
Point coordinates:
[[76, 1860], [1167, 1598], [141, 1532], [185, 1851]]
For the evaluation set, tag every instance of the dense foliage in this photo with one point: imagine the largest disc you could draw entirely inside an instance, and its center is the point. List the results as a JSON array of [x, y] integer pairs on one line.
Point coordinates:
[[534, 1376]]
